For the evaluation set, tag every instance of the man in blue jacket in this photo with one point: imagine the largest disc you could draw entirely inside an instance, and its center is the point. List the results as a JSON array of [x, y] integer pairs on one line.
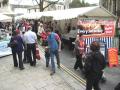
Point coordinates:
[[54, 44]]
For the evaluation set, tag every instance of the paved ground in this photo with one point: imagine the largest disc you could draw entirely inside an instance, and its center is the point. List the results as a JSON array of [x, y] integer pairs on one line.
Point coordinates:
[[112, 74], [34, 78]]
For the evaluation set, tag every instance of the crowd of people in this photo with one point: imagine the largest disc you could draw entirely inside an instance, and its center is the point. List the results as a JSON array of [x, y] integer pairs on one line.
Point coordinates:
[[24, 39]]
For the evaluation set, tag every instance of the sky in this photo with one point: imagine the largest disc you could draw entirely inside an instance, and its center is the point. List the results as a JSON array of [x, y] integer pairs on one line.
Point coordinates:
[[29, 2], [92, 1]]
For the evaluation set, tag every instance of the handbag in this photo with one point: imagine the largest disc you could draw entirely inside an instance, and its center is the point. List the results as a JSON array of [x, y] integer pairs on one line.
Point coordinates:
[[13, 44], [37, 53]]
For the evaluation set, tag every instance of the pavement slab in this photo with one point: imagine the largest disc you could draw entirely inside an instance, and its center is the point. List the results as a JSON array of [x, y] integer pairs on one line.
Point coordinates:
[[34, 78]]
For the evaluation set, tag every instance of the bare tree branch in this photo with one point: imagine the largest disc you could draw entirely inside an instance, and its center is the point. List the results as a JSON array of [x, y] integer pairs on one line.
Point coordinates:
[[50, 3], [37, 2]]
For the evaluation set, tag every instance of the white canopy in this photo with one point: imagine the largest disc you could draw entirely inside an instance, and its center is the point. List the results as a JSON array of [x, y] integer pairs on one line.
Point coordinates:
[[4, 18], [94, 11]]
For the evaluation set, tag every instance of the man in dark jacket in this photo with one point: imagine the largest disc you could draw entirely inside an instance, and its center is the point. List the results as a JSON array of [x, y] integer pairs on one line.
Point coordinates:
[[94, 65]]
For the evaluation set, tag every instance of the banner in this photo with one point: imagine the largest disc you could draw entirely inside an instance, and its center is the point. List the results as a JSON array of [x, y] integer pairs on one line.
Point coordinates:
[[113, 57], [96, 27]]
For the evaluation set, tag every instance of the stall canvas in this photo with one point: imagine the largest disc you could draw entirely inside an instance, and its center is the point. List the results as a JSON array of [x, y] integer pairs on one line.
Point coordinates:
[[97, 27]]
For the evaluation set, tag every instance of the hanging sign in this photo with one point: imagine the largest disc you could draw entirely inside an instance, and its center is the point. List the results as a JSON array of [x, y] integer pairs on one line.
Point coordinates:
[[98, 27]]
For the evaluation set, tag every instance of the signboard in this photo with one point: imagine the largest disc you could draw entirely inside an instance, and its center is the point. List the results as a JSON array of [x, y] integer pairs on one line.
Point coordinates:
[[113, 57], [4, 49], [96, 27]]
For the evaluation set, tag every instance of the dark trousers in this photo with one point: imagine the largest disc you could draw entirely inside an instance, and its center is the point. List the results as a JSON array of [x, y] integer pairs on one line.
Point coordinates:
[[31, 53], [19, 58], [71, 46], [93, 81], [47, 57], [78, 62]]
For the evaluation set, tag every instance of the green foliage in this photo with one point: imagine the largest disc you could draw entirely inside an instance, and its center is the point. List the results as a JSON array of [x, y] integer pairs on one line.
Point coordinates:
[[78, 3]]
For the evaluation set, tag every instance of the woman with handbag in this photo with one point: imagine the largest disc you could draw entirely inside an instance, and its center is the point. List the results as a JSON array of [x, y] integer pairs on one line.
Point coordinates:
[[16, 44]]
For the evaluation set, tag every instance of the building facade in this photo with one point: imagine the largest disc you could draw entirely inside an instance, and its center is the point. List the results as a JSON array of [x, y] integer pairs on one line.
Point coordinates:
[[4, 6], [23, 6], [111, 5]]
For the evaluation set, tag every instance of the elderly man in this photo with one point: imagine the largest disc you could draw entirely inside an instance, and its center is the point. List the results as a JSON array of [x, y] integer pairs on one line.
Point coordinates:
[[31, 40]]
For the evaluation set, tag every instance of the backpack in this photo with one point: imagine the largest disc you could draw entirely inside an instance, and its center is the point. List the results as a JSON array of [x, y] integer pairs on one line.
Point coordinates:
[[98, 62], [94, 62], [13, 42]]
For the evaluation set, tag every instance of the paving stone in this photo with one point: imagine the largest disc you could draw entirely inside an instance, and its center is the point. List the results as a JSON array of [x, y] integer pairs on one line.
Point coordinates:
[[31, 78]]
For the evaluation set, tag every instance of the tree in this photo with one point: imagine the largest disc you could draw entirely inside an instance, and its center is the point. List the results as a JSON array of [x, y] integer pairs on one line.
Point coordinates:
[[41, 4], [78, 3]]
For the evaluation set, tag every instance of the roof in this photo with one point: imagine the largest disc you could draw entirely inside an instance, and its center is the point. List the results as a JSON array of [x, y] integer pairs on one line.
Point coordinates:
[[94, 11]]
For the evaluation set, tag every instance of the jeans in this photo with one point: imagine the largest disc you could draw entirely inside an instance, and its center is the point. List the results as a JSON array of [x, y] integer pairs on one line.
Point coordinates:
[[52, 54]]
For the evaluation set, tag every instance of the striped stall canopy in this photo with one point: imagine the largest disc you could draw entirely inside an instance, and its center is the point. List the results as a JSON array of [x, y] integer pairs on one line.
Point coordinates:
[[107, 40]]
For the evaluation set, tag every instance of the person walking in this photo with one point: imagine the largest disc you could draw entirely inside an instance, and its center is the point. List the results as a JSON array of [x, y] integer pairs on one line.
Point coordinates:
[[25, 59], [30, 38], [54, 47], [94, 65], [79, 51], [16, 44], [47, 55]]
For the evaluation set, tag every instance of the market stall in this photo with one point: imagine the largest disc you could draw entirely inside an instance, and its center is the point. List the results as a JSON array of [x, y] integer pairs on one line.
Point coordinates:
[[95, 15], [4, 18], [4, 40]]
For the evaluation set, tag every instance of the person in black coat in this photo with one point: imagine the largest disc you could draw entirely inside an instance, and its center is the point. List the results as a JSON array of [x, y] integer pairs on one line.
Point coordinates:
[[94, 65], [17, 45]]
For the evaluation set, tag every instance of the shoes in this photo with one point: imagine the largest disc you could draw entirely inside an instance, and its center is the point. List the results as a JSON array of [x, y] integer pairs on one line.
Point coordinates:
[[15, 66], [34, 64], [22, 68], [52, 73], [59, 66], [24, 61], [103, 80], [47, 65], [75, 69]]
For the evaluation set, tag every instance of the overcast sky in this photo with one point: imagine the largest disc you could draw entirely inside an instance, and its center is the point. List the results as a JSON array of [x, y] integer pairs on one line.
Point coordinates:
[[29, 2], [92, 1]]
